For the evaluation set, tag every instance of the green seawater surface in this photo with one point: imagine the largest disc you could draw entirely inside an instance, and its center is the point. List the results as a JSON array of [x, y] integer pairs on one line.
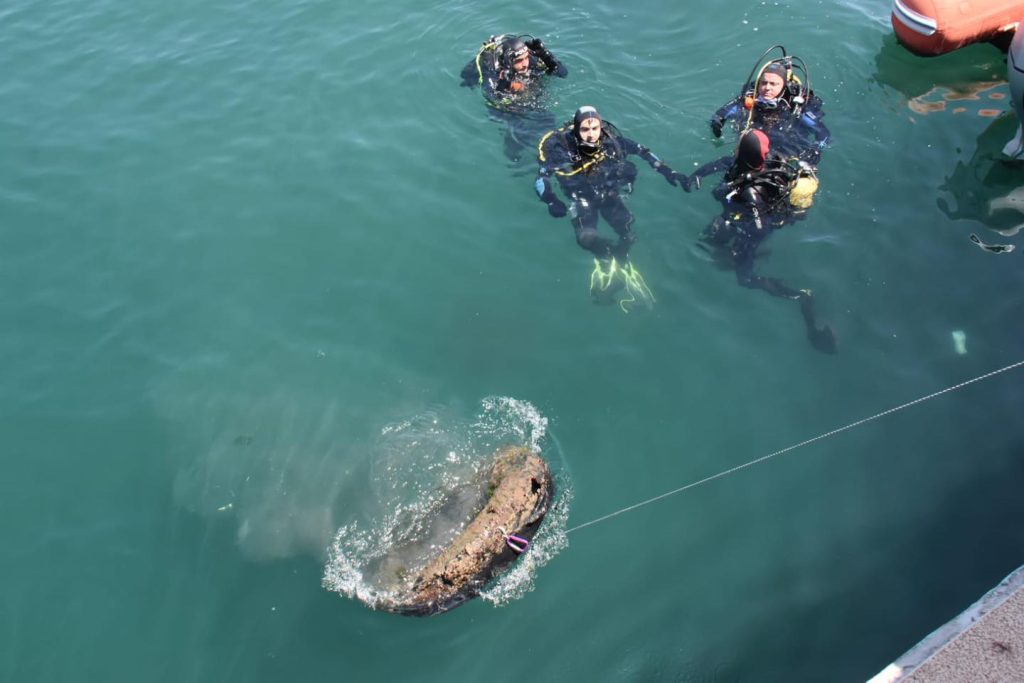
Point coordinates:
[[241, 241]]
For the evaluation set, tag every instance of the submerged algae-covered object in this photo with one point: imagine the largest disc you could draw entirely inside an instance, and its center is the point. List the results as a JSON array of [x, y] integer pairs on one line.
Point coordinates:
[[518, 493]]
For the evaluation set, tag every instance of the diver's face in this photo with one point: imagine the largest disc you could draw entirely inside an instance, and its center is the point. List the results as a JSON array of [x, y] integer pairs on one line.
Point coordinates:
[[770, 86], [521, 63], [590, 130]]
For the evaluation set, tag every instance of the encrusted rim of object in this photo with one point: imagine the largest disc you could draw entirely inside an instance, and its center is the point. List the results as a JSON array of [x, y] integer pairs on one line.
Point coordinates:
[[520, 490]]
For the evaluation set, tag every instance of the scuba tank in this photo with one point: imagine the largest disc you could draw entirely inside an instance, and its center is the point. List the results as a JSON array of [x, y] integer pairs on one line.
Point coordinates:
[[791, 184], [802, 187]]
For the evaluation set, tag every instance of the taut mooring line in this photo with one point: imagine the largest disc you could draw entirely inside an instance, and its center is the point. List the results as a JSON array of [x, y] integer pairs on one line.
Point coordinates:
[[737, 468]]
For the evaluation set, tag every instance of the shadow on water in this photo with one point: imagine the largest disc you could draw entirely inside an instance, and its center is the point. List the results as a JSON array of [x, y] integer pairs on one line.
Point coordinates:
[[929, 565], [982, 188], [915, 76], [970, 81]]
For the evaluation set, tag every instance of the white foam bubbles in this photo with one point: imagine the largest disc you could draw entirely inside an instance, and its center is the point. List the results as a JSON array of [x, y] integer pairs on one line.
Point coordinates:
[[427, 479], [549, 541]]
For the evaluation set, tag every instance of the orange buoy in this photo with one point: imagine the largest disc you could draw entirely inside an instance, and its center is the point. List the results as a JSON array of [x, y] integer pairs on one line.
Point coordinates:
[[935, 27]]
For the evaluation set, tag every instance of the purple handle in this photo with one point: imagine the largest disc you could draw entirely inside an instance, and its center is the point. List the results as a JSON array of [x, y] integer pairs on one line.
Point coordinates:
[[516, 543]]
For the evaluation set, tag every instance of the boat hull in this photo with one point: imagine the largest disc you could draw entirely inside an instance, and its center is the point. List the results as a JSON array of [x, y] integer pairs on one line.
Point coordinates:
[[935, 27]]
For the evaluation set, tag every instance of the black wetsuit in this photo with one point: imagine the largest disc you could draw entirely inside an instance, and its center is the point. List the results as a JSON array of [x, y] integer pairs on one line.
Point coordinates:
[[594, 181], [515, 98], [754, 204], [795, 130]]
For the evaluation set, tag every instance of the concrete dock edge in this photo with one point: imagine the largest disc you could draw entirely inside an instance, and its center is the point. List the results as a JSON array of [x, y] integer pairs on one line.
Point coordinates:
[[984, 643]]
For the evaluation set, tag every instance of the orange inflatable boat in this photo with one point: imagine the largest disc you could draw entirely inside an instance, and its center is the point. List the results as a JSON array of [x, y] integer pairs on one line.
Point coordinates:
[[935, 27]]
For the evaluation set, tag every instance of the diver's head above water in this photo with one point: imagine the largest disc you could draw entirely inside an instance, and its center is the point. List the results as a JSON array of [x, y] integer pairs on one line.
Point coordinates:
[[752, 150], [516, 55], [772, 83], [586, 125]]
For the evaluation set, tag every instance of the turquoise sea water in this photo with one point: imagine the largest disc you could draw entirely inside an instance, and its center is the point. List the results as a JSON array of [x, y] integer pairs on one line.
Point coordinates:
[[266, 274]]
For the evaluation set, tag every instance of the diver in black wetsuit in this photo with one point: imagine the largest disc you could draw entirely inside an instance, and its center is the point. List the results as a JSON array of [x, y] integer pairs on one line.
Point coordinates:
[[588, 156], [760, 192], [510, 71], [781, 103]]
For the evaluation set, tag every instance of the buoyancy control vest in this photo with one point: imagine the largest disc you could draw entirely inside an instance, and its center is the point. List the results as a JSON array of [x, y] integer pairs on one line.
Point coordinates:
[[784, 186], [605, 169]]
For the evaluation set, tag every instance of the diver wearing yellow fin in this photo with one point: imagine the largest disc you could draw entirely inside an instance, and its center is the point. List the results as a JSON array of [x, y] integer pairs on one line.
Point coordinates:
[[612, 282], [589, 158]]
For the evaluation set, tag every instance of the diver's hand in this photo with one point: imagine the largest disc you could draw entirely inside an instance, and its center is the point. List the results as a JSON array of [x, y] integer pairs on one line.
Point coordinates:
[[670, 176], [690, 182], [557, 208], [716, 125], [553, 65]]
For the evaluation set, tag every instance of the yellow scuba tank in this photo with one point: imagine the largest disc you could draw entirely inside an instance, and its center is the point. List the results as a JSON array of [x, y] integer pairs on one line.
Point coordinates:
[[803, 187]]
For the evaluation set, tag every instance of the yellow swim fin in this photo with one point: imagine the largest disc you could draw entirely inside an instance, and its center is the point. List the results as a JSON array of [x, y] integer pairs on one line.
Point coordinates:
[[619, 283]]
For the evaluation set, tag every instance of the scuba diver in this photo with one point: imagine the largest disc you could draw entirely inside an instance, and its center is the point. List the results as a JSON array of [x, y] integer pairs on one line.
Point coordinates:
[[588, 156], [761, 191], [779, 101], [510, 71]]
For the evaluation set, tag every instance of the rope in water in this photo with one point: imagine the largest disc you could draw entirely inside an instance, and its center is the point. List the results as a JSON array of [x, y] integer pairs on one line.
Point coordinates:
[[737, 468]]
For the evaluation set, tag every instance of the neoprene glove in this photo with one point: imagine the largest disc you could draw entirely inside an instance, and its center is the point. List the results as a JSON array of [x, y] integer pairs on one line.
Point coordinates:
[[671, 176], [557, 208], [690, 182], [534, 44], [716, 125]]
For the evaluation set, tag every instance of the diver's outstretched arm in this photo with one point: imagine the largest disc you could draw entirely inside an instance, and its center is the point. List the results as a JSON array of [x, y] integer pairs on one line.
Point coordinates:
[[811, 119], [723, 114], [544, 54], [692, 181], [673, 178], [470, 75], [550, 155], [556, 207], [817, 127]]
